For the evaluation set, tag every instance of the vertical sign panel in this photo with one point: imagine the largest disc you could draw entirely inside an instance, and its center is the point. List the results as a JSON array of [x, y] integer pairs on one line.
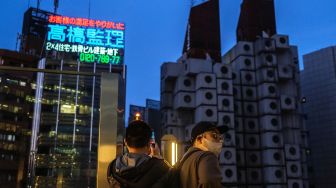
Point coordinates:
[[107, 143]]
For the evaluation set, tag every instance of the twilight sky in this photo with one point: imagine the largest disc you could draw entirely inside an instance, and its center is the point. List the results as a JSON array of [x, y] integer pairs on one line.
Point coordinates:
[[155, 30]]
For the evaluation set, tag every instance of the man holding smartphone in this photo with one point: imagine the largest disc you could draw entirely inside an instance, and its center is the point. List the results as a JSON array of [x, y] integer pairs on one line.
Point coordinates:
[[142, 166]]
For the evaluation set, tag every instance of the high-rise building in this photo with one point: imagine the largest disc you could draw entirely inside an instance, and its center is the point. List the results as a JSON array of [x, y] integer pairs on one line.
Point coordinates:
[[34, 29], [16, 111], [254, 90], [81, 110], [318, 84], [66, 107], [135, 112], [257, 18], [202, 39]]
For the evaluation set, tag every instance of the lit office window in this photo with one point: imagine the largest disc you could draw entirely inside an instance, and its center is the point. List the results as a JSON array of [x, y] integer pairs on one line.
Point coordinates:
[[68, 109], [22, 83]]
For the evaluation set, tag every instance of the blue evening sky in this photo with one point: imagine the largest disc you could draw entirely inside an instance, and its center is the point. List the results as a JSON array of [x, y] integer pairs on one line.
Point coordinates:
[[155, 30]]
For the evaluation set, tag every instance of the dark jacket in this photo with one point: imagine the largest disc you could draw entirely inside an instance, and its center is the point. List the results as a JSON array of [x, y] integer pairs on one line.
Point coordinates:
[[200, 170], [136, 171]]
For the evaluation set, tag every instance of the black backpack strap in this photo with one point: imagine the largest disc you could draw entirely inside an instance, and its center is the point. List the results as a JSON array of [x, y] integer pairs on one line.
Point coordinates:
[[109, 170]]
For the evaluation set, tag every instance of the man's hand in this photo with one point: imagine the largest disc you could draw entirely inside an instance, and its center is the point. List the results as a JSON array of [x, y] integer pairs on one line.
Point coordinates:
[[155, 151]]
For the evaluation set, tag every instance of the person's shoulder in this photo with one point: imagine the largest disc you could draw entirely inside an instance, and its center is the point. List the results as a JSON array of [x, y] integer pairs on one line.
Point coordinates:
[[206, 156], [201, 153], [209, 154]]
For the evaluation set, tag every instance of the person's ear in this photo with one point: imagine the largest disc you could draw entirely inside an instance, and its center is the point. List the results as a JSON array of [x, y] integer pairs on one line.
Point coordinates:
[[199, 140]]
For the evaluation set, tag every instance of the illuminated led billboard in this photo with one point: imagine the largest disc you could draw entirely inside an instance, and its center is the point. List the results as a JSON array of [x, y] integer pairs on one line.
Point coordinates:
[[94, 40]]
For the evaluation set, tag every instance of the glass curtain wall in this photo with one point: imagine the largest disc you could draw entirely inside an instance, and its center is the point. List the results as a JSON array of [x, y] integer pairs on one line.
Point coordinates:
[[66, 145]]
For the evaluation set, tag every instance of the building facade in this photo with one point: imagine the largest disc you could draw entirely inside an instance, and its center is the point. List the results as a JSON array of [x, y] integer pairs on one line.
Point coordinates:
[[34, 29], [318, 84], [16, 112], [62, 109], [253, 89]]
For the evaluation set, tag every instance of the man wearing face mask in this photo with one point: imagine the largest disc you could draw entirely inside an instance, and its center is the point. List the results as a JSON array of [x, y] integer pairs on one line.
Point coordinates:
[[201, 169]]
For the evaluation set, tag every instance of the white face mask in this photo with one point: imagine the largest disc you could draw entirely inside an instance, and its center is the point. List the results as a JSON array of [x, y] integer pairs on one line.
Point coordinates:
[[214, 147]]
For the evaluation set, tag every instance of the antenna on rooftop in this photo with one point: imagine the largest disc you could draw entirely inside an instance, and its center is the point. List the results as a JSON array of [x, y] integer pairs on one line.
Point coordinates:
[[56, 2], [38, 5], [89, 9]]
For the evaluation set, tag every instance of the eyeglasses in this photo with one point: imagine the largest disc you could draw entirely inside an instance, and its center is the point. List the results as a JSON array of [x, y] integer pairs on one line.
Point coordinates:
[[214, 135]]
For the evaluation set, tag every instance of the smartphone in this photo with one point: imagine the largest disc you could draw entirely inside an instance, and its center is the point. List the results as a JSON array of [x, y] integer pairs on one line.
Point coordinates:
[[152, 139]]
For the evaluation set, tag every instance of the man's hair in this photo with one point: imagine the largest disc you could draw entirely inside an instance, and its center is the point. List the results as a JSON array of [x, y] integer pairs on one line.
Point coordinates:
[[138, 134]]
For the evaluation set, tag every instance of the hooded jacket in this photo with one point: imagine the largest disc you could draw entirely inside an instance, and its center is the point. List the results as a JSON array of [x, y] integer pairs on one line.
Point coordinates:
[[135, 171]]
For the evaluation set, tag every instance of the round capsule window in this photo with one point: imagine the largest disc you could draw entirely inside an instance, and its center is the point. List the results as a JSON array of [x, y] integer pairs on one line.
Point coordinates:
[[277, 156], [187, 83], [247, 47], [252, 141], [251, 125], [209, 112], [224, 70], [296, 185], [225, 86], [274, 122], [278, 173], [208, 79], [208, 95], [292, 151], [282, 40], [227, 137], [226, 102], [273, 105], [269, 58], [294, 168], [228, 155], [248, 62], [228, 173], [226, 119], [276, 139], [270, 73], [250, 108], [288, 101], [249, 92], [271, 89], [253, 158], [187, 98], [248, 77]]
